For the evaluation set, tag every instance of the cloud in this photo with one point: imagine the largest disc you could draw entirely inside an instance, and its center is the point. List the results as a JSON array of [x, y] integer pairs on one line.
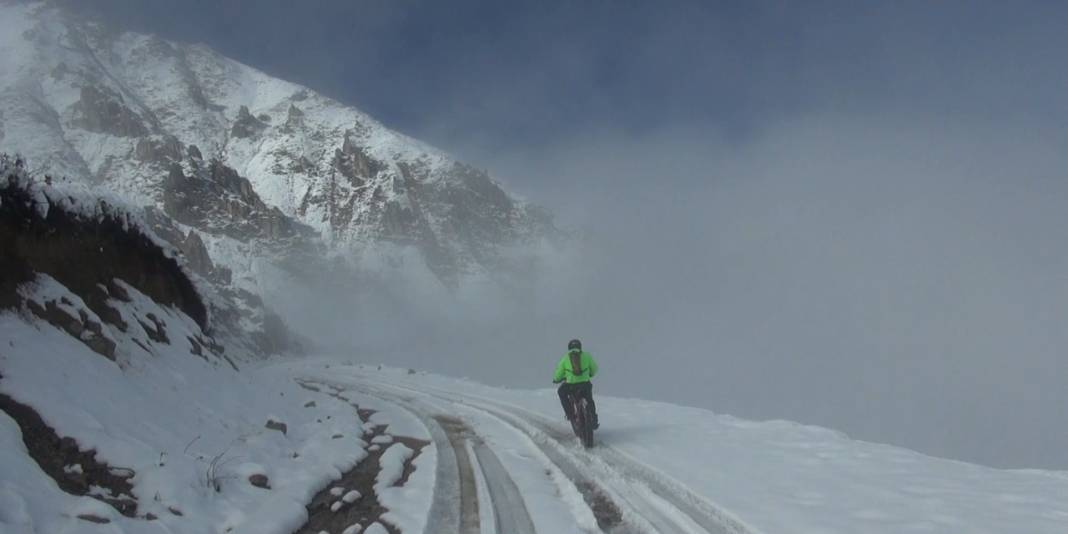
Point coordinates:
[[899, 278]]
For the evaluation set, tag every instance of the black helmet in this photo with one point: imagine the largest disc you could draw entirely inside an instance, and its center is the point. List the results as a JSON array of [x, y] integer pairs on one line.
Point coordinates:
[[574, 344]]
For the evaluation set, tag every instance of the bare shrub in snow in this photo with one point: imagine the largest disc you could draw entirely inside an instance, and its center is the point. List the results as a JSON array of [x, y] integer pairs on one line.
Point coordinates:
[[215, 474]]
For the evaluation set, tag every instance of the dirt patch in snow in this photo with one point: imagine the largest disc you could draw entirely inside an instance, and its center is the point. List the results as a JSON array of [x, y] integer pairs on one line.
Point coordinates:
[[76, 471], [326, 514], [604, 510]]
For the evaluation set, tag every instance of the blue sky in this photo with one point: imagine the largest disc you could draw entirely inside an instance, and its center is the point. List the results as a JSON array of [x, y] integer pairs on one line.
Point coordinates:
[[842, 213]]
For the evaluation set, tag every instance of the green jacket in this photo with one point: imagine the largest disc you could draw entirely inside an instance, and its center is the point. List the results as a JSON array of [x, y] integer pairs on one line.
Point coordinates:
[[564, 370]]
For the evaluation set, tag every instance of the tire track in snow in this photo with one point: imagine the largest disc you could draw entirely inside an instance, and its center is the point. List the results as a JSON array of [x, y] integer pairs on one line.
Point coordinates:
[[602, 500], [458, 433], [618, 510], [509, 510], [697, 511]]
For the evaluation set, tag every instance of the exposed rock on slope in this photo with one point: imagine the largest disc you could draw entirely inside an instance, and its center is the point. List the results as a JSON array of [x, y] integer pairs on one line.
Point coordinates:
[[219, 201], [102, 111], [56, 455], [100, 252], [42, 231], [120, 410]]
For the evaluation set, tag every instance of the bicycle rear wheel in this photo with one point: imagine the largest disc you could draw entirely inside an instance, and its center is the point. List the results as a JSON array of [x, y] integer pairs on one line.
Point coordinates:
[[587, 425], [578, 417]]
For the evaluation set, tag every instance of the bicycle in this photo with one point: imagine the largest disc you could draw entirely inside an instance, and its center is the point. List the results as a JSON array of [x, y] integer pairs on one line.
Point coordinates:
[[582, 420]]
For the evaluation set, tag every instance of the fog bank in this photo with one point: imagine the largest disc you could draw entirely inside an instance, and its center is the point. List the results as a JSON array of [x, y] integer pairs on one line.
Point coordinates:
[[900, 280]]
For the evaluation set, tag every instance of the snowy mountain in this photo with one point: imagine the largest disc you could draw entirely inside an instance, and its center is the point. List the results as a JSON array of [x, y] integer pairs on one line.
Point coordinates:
[[257, 166]]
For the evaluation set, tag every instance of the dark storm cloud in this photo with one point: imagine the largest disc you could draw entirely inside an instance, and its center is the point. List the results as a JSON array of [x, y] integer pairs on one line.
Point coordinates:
[[842, 213]]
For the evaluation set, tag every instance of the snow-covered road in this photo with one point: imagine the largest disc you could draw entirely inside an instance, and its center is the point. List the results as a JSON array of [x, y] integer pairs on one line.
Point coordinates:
[[670, 469], [620, 494]]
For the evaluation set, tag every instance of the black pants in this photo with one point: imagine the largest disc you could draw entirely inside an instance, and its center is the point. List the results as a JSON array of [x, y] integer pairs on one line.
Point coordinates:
[[582, 389]]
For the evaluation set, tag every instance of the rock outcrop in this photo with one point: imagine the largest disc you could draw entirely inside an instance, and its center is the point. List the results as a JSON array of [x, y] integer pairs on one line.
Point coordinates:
[[246, 126], [103, 111], [217, 200], [85, 246], [101, 253]]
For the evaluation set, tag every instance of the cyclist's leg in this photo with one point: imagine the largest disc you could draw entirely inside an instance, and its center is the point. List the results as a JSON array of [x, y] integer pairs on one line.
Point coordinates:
[[564, 391]]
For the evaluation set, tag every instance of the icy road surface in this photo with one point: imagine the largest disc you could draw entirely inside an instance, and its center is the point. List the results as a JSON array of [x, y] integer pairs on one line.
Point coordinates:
[[507, 462]]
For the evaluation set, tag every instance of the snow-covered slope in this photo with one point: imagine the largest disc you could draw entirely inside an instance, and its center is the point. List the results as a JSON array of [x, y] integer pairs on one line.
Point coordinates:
[[138, 114], [120, 385], [181, 436]]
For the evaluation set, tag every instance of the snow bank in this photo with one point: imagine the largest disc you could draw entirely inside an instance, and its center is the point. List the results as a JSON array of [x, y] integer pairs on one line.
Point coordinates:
[[392, 465]]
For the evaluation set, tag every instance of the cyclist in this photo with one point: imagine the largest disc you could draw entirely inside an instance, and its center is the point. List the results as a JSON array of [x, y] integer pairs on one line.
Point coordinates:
[[575, 370]]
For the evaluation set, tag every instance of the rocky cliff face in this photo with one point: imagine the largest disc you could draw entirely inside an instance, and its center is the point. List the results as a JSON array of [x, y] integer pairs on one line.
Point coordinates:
[[95, 248], [216, 199], [252, 162]]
